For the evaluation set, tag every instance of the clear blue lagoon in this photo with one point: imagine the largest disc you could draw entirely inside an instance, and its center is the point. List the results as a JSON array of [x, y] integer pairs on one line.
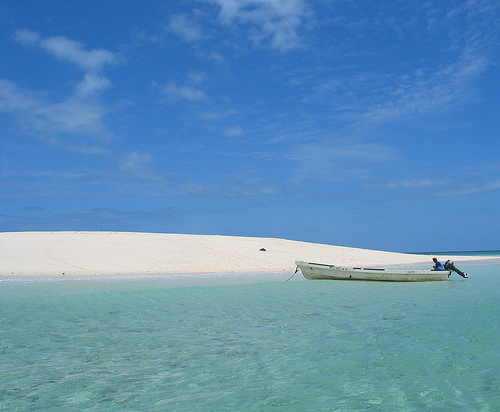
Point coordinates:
[[192, 345]]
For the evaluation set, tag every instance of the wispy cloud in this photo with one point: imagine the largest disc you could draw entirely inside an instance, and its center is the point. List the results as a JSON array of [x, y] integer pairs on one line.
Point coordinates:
[[92, 84], [468, 188], [14, 99], [184, 92], [186, 28], [454, 183], [274, 22], [414, 183], [135, 161], [79, 114], [410, 86], [372, 99], [68, 49], [418, 95], [74, 115], [140, 166], [234, 131], [77, 123], [339, 159]]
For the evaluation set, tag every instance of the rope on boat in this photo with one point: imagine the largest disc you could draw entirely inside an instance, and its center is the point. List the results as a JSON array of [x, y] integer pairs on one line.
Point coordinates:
[[296, 270]]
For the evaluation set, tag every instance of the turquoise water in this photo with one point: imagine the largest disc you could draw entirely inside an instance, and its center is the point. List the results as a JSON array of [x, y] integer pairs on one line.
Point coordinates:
[[152, 345]]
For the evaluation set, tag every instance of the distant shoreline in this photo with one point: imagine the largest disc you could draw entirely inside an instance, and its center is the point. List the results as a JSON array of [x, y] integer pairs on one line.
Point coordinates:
[[489, 253], [92, 254]]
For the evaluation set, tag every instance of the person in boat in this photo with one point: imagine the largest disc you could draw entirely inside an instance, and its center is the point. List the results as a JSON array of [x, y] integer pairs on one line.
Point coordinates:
[[437, 265]]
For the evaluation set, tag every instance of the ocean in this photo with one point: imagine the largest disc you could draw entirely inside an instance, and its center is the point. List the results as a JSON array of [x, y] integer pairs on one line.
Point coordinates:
[[221, 344], [487, 253]]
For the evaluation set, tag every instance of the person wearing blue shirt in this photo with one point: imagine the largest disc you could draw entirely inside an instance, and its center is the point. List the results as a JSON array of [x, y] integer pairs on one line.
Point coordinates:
[[438, 265]]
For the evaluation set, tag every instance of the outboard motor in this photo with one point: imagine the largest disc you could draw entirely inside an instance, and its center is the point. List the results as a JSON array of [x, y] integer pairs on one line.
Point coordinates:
[[450, 266]]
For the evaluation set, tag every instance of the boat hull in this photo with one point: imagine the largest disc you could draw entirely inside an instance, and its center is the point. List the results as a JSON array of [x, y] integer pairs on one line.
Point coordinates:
[[321, 271]]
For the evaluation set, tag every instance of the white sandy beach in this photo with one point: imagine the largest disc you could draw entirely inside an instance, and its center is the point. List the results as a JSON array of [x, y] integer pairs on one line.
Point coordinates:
[[123, 253]]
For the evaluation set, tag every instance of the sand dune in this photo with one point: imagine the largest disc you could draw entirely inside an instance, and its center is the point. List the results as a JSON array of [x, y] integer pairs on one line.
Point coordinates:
[[123, 253]]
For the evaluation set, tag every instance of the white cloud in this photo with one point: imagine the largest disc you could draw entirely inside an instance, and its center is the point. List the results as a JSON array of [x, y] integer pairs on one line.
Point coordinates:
[[372, 99], [195, 77], [215, 57], [234, 131], [27, 37], [185, 28], [431, 81], [275, 21], [472, 188], [72, 115], [75, 115], [79, 114], [73, 51], [453, 185], [183, 92], [135, 160], [13, 99], [413, 183], [68, 49], [78, 146], [91, 84]]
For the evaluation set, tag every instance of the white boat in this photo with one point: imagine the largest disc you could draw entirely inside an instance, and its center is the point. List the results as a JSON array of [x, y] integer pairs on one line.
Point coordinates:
[[321, 271]]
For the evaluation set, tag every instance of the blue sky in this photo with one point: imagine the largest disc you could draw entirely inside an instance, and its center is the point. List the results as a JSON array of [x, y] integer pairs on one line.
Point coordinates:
[[371, 124]]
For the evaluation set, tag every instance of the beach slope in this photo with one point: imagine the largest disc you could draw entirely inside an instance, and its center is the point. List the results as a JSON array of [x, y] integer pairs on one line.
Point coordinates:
[[125, 253]]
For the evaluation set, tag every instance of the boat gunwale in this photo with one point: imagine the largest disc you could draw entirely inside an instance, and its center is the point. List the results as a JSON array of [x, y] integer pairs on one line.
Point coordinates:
[[369, 270], [356, 273]]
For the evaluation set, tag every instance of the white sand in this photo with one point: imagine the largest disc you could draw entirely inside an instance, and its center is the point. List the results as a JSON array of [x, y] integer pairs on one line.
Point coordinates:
[[119, 253]]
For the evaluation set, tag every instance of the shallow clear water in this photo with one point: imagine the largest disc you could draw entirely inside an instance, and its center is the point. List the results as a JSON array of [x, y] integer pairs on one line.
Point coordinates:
[[275, 346]]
